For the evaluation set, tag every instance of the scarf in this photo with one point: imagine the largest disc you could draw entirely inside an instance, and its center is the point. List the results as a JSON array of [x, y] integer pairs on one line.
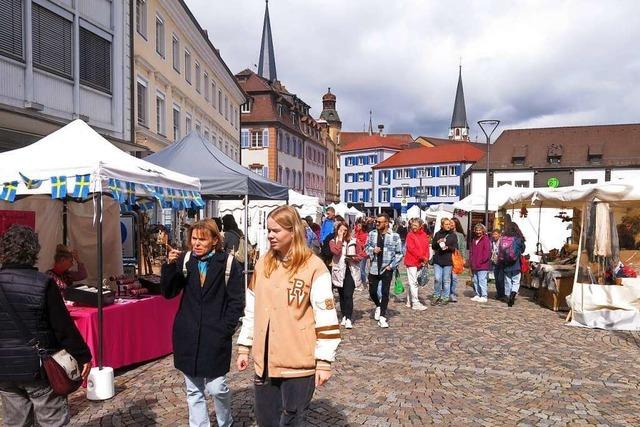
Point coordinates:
[[203, 263]]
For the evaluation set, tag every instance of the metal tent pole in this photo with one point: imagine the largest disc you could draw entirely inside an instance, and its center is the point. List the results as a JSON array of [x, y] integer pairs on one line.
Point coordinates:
[[98, 197], [246, 240]]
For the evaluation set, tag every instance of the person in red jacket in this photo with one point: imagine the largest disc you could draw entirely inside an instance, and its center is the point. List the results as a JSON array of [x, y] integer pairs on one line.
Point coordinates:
[[416, 257]]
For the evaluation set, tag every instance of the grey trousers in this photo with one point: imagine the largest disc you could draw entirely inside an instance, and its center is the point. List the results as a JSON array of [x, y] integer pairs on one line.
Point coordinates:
[[282, 402], [25, 402]]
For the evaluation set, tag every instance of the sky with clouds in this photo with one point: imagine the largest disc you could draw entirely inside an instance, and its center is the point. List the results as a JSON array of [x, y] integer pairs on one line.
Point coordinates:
[[528, 63]]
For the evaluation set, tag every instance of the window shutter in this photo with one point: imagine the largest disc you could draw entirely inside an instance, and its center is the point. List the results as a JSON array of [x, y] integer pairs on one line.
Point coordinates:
[[95, 61], [436, 171], [436, 191], [52, 41], [457, 190], [265, 138], [379, 194], [11, 28], [458, 170], [244, 138]]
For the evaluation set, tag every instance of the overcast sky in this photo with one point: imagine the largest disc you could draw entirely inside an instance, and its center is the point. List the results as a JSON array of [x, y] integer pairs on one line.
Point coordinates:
[[531, 63]]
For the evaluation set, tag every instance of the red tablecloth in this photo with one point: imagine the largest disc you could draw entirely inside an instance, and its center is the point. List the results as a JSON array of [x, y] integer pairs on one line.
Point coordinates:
[[134, 331]]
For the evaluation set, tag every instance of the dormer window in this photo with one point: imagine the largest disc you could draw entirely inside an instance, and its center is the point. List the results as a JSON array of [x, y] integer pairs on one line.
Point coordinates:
[[554, 153], [519, 155], [594, 155]]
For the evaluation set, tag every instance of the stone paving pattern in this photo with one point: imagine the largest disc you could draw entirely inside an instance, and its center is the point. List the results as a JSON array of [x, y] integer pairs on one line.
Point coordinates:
[[462, 364]]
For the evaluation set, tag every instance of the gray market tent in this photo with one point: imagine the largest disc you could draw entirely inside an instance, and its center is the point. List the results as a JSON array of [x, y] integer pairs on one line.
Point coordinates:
[[220, 176]]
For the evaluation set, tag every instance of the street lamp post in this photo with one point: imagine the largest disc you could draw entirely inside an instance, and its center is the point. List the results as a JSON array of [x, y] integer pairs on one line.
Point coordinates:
[[488, 127]]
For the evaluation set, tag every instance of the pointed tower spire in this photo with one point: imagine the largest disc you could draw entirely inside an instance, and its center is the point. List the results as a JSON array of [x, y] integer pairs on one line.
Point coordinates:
[[459, 127], [267, 63], [370, 122]]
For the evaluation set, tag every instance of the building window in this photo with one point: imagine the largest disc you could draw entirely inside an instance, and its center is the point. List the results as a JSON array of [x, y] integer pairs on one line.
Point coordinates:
[[443, 171], [384, 195], [220, 101], [141, 17], [361, 177], [360, 161], [95, 61], [453, 190], [187, 66], [175, 51], [443, 191], [349, 195], [588, 181], [11, 28], [256, 139], [198, 77], [187, 123], [517, 161], [52, 42], [501, 183], [226, 107], [160, 36], [206, 134], [176, 123], [206, 86], [554, 160], [160, 114], [213, 94], [257, 169], [246, 107], [452, 171], [142, 103], [522, 184]]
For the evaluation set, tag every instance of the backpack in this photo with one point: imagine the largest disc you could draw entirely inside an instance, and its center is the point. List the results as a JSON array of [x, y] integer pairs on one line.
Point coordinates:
[[507, 251], [227, 270]]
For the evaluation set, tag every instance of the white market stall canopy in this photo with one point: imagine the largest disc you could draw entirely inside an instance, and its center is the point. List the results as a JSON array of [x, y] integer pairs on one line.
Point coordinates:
[[623, 192], [476, 202], [75, 151]]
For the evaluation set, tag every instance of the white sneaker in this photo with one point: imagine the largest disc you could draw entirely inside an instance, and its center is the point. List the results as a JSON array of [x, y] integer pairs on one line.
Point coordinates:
[[419, 307], [343, 321], [476, 298], [408, 304], [376, 315], [348, 324], [482, 299], [383, 322]]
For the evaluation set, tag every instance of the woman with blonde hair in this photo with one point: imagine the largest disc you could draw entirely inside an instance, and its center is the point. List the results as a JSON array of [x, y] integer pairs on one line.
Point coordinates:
[[209, 281], [290, 323]]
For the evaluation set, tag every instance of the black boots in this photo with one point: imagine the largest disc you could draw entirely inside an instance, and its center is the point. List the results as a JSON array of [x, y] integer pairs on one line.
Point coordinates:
[[512, 299]]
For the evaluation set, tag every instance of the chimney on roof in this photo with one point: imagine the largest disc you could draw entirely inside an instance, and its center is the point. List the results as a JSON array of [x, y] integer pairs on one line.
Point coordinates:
[[381, 130]]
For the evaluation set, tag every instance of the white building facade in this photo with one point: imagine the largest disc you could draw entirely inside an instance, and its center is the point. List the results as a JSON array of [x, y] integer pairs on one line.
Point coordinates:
[[61, 60]]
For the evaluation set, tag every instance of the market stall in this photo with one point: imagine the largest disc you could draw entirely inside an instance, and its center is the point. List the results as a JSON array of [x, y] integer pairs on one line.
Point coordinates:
[[72, 184], [605, 290], [221, 177]]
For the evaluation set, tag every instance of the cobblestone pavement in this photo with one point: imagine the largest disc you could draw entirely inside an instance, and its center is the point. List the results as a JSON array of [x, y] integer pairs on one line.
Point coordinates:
[[463, 364]]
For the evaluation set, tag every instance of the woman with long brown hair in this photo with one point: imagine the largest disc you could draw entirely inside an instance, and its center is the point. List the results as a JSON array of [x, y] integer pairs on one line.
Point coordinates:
[[290, 324]]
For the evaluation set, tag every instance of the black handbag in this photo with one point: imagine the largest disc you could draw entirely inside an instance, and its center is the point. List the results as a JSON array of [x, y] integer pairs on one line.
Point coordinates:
[[60, 367]]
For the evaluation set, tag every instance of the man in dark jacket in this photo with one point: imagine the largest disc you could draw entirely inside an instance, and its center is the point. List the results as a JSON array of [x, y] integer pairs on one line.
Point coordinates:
[[36, 299], [444, 244], [212, 292]]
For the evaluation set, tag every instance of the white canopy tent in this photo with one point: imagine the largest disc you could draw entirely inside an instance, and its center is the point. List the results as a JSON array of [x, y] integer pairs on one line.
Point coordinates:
[[594, 305], [70, 156], [259, 209]]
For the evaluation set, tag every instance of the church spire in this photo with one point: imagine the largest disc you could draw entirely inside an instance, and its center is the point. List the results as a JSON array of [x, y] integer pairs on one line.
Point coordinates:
[[459, 127], [267, 63], [370, 122]]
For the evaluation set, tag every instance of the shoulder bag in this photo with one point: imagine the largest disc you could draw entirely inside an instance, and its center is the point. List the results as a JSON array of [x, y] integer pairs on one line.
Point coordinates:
[[61, 368]]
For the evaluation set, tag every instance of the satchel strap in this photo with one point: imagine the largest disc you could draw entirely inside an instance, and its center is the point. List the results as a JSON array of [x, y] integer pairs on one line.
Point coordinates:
[[27, 336]]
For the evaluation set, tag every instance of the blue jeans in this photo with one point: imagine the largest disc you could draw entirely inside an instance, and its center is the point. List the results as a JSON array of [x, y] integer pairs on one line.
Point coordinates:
[[511, 282], [480, 283], [217, 388], [442, 282], [454, 283], [363, 271]]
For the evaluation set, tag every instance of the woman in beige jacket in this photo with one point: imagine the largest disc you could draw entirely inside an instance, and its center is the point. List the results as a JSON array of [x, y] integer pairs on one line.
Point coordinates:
[[290, 325]]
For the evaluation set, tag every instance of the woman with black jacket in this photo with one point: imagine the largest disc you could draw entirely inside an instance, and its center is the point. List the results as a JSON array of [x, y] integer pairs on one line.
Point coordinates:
[[444, 244], [212, 292], [35, 298]]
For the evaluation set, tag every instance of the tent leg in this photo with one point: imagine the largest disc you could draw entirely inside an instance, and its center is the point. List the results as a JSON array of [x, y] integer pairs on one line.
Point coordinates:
[[65, 229], [98, 197], [246, 241]]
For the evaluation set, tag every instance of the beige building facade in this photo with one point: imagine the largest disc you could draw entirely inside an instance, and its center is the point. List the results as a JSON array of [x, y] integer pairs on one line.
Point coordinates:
[[181, 83]]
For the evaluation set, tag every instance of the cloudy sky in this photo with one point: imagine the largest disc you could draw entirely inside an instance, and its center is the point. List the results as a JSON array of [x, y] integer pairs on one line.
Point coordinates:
[[534, 63]]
